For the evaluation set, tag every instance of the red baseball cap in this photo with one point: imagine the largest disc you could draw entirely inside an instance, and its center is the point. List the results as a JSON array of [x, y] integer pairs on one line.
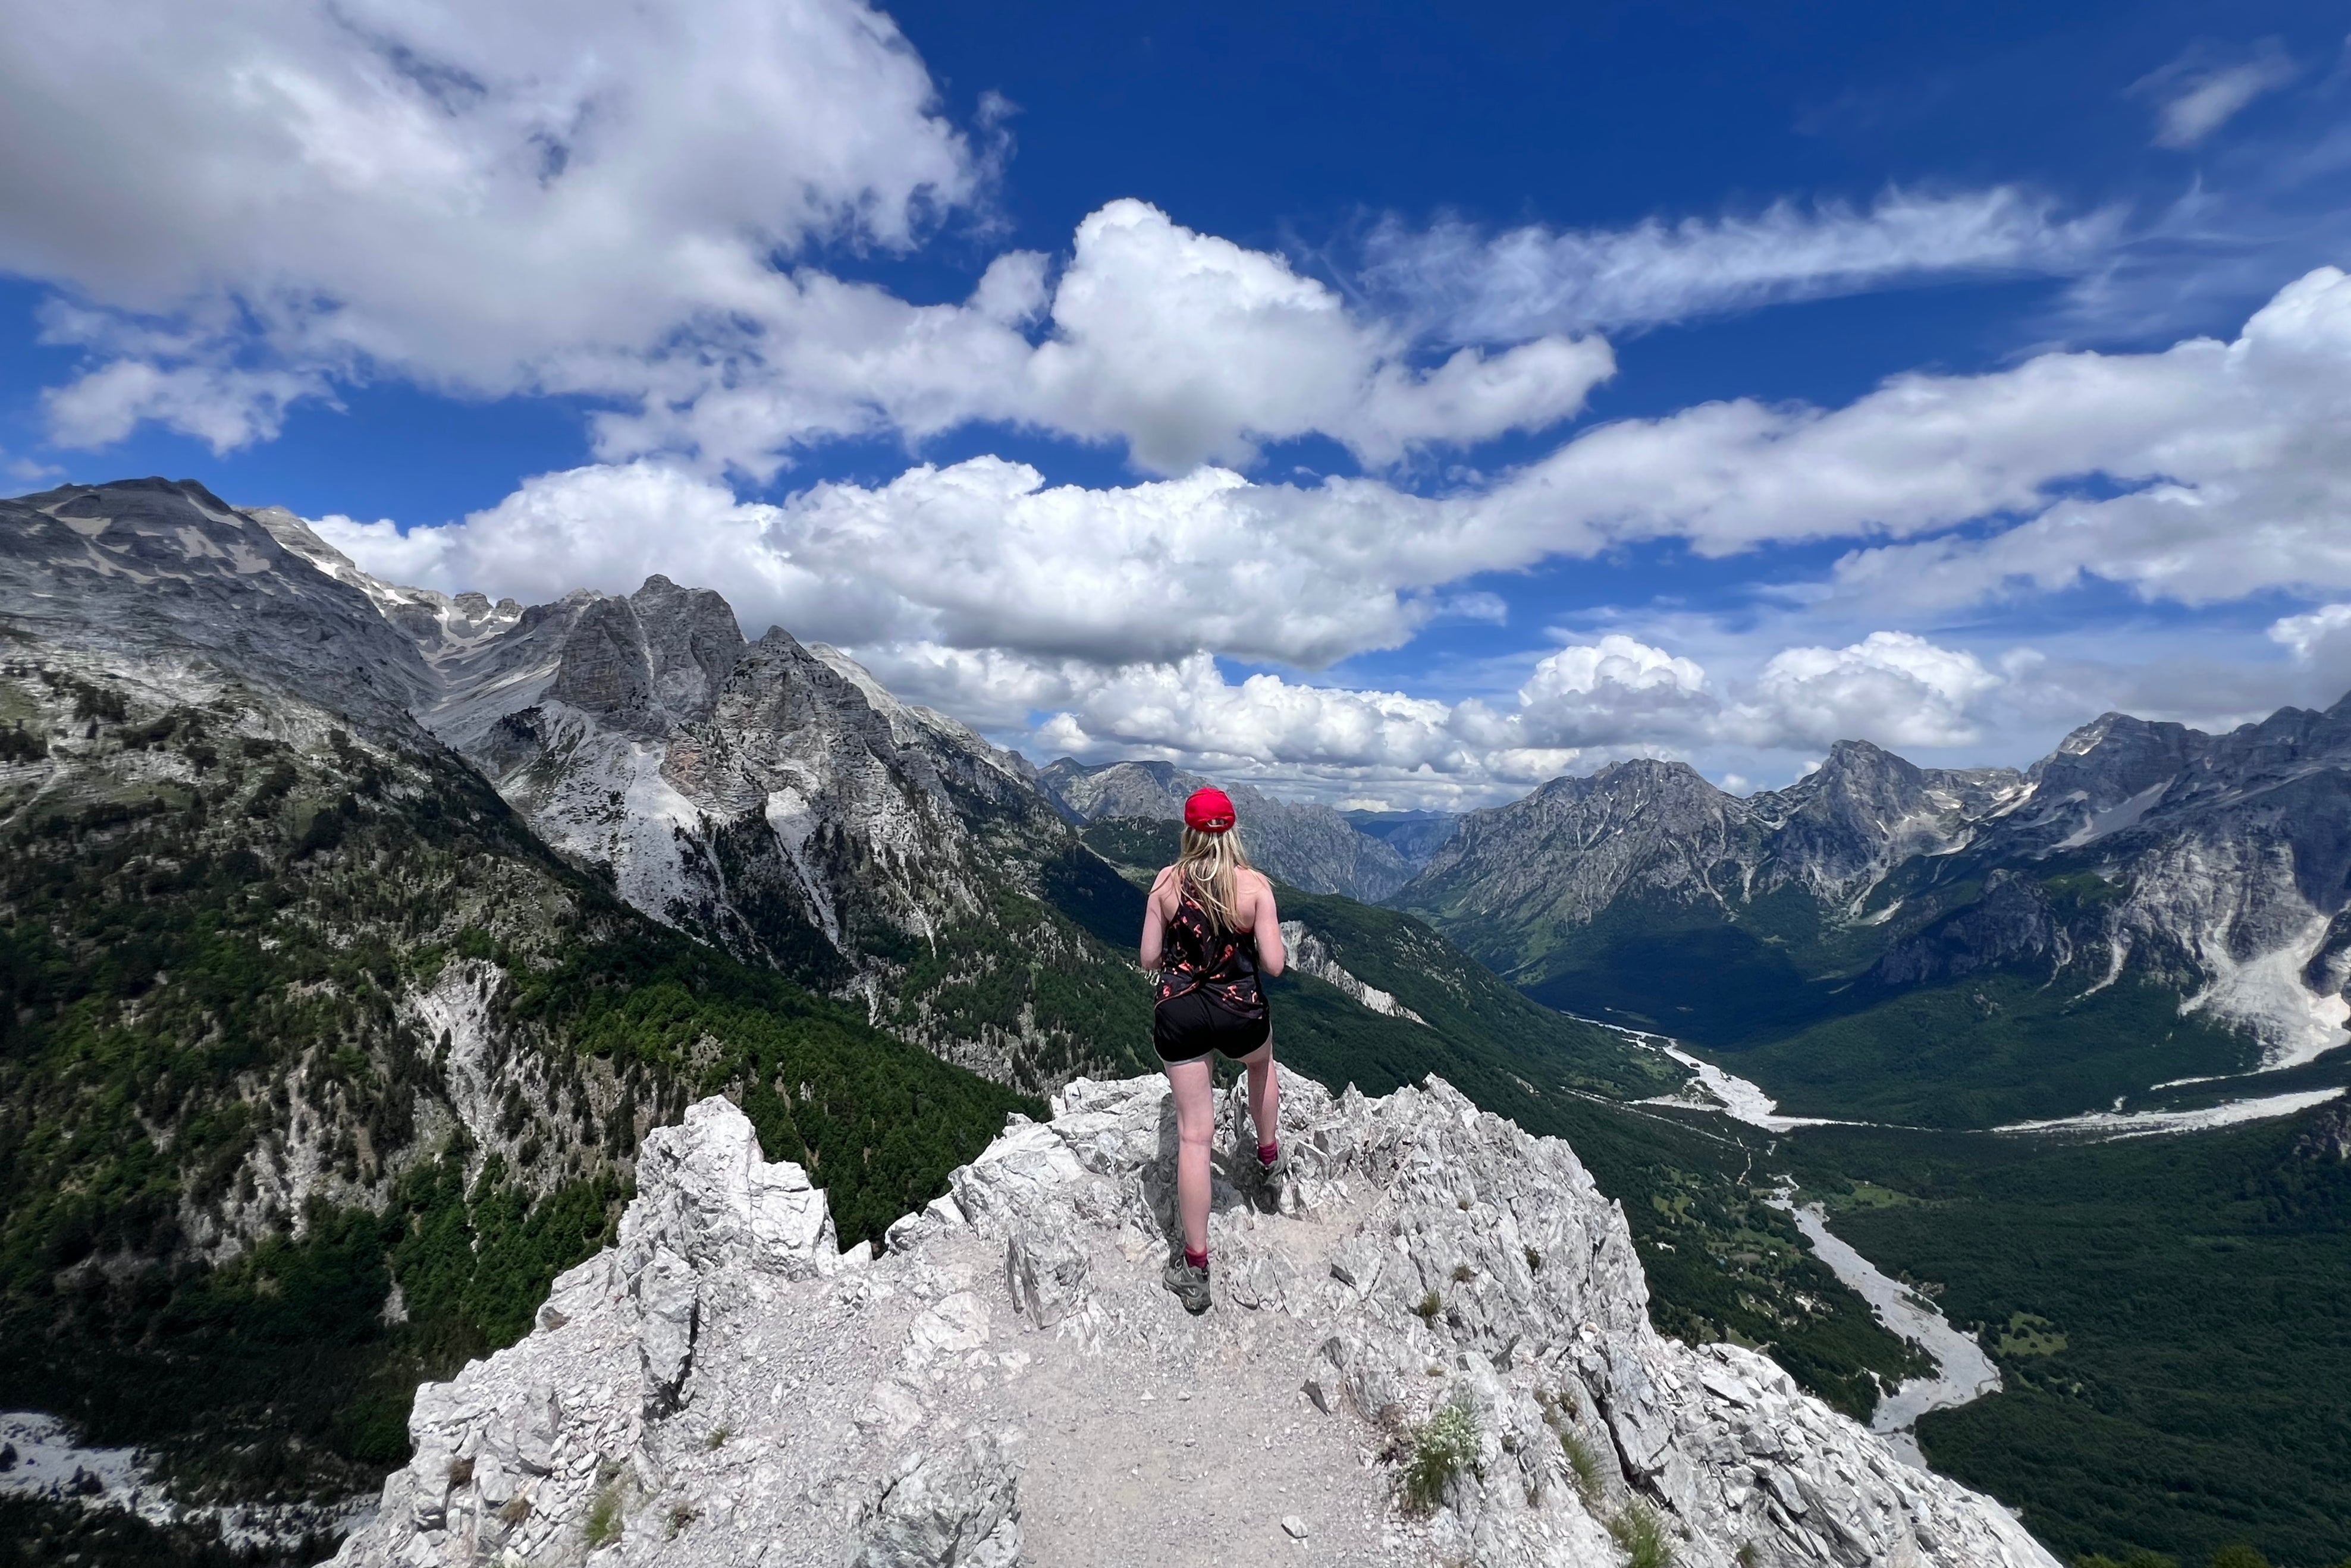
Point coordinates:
[[1208, 810]]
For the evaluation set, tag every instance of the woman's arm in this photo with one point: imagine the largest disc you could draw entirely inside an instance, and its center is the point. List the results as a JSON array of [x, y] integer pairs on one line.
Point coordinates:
[[1271, 956], [1155, 927]]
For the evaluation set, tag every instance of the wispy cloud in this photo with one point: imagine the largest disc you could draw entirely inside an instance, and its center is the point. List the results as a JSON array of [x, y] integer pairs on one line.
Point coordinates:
[[2196, 95], [1466, 285]]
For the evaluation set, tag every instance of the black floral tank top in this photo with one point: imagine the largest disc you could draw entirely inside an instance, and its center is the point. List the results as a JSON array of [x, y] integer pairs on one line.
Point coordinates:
[[1221, 964]]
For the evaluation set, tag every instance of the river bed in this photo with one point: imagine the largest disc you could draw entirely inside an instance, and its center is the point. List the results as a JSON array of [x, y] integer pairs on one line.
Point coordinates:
[[1962, 1370], [2103, 1125], [41, 1457]]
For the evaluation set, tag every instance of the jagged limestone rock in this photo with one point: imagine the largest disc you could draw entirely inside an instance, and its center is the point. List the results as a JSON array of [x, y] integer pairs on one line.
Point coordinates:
[[1045, 1271], [705, 1193], [961, 1506], [1439, 1317]]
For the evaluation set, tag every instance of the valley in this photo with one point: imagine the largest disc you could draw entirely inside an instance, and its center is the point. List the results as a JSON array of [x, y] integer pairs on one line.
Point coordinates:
[[357, 936], [2136, 1296]]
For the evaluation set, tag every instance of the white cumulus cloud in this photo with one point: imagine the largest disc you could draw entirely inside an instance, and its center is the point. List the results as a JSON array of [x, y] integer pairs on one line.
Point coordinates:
[[991, 589], [619, 201], [1894, 687], [1193, 349], [469, 195]]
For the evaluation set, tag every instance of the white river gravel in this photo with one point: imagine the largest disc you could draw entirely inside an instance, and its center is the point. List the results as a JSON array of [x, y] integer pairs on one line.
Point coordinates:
[[1962, 1370]]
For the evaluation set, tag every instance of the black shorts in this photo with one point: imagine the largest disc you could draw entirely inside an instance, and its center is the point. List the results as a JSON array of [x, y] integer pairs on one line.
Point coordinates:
[[1186, 1027]]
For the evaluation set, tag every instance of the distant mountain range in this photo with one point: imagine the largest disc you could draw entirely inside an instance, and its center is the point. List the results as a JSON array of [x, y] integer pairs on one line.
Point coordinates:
[[2147, 903], [1366, 855]]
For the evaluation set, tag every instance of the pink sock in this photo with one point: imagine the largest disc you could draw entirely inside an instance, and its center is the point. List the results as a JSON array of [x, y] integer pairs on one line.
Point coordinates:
[[1197, 1260], [1267, 1153]]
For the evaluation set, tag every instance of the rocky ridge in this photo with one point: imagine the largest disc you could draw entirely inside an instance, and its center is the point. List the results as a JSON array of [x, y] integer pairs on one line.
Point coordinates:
[[1649, 828], [1430, 1343], [159, 570]]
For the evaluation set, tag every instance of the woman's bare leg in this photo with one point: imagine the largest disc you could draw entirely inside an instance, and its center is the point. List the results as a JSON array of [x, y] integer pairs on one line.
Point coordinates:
[[1265, 1094], [1195, 1127]]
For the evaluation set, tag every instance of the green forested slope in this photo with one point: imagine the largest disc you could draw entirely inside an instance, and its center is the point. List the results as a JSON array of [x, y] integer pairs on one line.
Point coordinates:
[[2002, 1046], [2171, 1318]]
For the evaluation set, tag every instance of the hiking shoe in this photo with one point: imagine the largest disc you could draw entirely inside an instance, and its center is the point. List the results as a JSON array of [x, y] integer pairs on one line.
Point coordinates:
[[1190, 1284]]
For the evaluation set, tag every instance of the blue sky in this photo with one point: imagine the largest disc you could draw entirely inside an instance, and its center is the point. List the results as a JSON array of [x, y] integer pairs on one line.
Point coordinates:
[[1377, 402]]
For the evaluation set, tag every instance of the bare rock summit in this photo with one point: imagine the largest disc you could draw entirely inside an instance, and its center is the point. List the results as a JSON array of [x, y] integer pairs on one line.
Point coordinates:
[[1430, 1343]]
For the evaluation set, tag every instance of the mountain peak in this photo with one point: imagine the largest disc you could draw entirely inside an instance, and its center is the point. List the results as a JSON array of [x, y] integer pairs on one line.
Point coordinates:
[[1650, 772]]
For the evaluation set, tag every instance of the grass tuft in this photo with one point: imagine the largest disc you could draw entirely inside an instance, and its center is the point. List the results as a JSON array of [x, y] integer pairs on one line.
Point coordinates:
[[1442, 1447], [604, 1526], [1584, 1464], [1641, 1537]]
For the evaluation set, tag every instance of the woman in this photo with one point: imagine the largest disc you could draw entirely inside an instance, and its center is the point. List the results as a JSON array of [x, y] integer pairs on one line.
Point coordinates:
[[1210, 929]]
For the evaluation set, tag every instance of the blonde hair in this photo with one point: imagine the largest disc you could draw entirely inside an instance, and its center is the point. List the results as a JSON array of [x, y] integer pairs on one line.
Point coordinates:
[[1209, 866]]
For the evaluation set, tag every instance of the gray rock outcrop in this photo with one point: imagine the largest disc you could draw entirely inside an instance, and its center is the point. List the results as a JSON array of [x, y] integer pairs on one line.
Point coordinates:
[[1431, 1343]]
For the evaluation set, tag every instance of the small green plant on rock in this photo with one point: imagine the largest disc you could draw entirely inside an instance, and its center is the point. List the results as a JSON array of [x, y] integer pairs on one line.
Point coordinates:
[[1442, 1447], [1641, 1537], [604, 1526], [1463, 1273], [717, 1438], [680, 1516], [1429, 1306], [1582, 1465]]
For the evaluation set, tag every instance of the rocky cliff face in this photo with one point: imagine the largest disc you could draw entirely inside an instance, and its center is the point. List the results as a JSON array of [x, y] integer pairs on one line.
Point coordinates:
[[1308, 846], [1430, 1344], [317, 1058], [773, 799]]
